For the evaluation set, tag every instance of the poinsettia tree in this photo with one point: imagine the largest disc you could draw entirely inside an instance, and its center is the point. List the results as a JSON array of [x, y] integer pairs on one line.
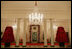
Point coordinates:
[[8, 35]]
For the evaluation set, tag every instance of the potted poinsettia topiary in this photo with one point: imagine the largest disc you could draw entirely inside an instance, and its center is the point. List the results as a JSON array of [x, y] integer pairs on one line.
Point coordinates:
[[8, 36]]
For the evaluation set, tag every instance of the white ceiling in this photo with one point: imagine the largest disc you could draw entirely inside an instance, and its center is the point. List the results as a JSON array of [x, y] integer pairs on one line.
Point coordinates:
[[21, 8], [51, 5]]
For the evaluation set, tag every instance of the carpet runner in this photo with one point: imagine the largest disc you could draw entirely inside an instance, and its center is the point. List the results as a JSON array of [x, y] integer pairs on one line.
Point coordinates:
[[34, 44]]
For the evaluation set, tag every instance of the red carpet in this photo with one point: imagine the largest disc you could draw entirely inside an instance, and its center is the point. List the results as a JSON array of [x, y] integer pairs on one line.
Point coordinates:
[[34, 44]]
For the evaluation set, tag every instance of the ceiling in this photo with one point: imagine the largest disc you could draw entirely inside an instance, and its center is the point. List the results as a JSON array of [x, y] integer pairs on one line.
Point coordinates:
[[23, 8]]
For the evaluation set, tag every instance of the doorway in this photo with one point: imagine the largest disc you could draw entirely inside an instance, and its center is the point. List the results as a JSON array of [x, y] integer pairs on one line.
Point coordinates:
[[34, 33]]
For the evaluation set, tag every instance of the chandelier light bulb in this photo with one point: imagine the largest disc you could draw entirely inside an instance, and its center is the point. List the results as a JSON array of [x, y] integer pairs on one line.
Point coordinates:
[[35, 17]]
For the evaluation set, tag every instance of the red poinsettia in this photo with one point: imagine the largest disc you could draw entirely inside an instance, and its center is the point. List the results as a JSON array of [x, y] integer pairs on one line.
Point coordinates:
[[8, 35], [61, 35]]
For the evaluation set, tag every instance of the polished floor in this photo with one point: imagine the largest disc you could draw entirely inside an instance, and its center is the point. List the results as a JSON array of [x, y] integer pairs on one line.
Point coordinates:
[[36, 46]]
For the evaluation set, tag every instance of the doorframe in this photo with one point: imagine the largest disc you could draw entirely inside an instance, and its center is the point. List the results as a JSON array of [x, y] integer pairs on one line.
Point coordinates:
[[38, 32]]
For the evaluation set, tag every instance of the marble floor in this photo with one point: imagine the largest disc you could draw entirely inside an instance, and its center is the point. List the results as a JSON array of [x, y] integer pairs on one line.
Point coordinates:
[[39, 45], [34, 46]]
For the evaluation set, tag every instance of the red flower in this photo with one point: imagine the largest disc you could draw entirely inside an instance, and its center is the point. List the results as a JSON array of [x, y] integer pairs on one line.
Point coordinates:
[[61, 35], [8, 35]]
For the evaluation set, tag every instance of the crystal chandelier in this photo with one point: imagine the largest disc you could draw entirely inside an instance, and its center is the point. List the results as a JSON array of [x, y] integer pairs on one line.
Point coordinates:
[[35, 17]]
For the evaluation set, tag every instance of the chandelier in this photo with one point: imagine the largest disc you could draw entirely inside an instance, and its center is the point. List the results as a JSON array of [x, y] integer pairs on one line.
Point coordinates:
[[36, 17]]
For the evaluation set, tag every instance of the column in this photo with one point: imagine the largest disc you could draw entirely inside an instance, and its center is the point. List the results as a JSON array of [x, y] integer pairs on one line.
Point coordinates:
[[52, 33], [18, 31], [70, 33], [27, 31], [41, 33], [24, 34], [45, 34]]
